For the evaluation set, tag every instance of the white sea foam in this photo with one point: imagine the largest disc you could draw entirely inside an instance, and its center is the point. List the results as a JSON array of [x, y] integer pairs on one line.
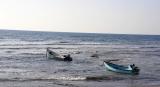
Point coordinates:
[[70, 78]]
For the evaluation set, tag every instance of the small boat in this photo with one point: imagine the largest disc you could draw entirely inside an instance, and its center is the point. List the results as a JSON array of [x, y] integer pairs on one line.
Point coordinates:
[[53, 55], [130, 69]]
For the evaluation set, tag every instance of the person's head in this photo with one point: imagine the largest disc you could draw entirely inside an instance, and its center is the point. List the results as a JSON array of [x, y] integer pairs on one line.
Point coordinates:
[[133, 64]]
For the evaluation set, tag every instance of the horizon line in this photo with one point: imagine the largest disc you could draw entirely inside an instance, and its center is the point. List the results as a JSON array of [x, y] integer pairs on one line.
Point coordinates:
[[77, 32]]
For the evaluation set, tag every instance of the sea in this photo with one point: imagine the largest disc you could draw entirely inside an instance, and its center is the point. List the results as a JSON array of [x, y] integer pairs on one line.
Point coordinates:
[[23, 61]]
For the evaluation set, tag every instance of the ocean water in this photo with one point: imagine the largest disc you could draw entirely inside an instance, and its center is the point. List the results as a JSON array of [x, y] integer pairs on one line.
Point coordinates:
[[23, 61]]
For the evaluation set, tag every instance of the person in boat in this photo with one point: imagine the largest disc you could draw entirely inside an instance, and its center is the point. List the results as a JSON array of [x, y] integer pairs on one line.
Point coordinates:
[[135, 69], [132, 66]]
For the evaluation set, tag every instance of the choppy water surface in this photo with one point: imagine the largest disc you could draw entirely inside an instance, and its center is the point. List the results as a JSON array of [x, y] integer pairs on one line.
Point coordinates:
[[23, 62]]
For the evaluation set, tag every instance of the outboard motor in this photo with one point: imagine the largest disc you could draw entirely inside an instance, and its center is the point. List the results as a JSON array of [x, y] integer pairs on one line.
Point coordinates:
[[135, 70], [67, 57]]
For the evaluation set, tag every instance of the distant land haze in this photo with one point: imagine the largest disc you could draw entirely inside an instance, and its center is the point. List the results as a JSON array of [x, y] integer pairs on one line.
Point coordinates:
[[94, 16]]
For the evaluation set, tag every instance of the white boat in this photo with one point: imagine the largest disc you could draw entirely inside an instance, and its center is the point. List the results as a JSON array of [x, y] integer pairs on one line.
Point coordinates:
[[53, 55], [130, 69]]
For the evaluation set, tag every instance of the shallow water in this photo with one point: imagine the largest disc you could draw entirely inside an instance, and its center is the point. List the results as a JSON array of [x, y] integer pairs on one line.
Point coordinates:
[[23, 61]]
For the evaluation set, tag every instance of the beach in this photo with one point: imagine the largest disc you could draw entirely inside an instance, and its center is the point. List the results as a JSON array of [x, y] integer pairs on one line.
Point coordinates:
[[23, 61]]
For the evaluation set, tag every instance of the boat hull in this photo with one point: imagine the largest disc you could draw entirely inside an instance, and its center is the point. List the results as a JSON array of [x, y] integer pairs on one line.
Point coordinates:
[[119, 68], [52, 55]]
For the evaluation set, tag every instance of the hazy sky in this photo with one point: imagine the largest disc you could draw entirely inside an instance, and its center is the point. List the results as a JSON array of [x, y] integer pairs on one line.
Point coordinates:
[[102, 16]]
